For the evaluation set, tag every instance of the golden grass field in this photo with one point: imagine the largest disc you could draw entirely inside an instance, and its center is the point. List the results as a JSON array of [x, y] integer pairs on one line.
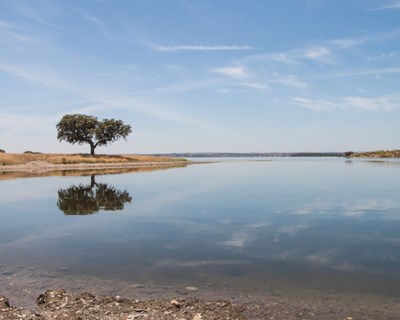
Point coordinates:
[[7, 159]]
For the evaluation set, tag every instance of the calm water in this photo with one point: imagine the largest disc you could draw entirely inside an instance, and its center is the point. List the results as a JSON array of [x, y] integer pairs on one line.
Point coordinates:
[[260, 226]]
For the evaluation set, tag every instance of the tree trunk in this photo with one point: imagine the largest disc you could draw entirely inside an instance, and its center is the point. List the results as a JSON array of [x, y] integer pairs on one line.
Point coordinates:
[[92, 181], [92, 147]]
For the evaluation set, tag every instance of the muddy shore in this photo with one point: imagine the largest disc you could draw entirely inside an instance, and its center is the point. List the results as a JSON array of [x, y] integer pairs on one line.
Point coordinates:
[[59, 304], [24, 295]]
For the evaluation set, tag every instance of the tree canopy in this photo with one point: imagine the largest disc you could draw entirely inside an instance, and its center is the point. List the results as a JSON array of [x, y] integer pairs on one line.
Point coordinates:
[[81, 128]]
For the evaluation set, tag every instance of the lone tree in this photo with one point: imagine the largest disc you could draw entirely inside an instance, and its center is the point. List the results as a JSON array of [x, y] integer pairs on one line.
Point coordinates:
[[81, 128]]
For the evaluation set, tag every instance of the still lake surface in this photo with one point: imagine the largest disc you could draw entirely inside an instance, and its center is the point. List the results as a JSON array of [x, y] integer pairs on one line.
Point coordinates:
[[259, 225]]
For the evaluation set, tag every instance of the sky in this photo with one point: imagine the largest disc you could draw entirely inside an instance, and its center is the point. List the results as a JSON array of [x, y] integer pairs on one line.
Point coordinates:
[[203, 75]]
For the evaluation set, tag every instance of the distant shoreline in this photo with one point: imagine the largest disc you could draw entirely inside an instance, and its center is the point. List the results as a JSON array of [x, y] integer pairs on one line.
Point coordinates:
[[348, 154], [42, 162]]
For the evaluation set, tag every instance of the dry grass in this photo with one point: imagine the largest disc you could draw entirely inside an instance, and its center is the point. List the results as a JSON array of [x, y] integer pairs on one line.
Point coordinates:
[[16, 158], [378, 154]]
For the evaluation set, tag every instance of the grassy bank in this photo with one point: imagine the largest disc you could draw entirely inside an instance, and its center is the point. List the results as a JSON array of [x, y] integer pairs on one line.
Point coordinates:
[[377, 154], [9, 159]]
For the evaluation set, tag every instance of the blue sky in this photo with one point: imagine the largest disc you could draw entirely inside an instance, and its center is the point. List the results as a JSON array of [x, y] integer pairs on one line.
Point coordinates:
[[193, 76]]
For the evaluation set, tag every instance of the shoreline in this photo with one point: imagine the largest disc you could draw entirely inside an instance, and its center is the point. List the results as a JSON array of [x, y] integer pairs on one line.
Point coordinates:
[[42, 166], [60, 304], [40, 294]]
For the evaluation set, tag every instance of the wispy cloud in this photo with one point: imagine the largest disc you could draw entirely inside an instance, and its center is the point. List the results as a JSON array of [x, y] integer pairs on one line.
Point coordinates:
[[107, 100], [393, 5], [10, 32], [41, 15], [349, 103], [187, 86], [257, 86], [224, 90], [201, 48], [318, 105], [371, 104], [357, 73], [96, 21], [317, 53], [290, 81], [347, 42], [5, 24], [322, 53], [40, 74], [235, 72]]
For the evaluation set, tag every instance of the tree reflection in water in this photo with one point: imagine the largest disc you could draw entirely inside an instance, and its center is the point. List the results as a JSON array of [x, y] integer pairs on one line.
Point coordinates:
[[89, 199]]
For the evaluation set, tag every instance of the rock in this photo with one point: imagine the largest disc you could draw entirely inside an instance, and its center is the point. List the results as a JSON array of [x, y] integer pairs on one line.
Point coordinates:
[[4, 302], [190, 288], [176, 303], [198, 317]]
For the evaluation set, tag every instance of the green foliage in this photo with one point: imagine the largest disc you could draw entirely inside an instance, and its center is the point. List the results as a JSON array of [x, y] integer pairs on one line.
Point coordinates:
[[80, 129]]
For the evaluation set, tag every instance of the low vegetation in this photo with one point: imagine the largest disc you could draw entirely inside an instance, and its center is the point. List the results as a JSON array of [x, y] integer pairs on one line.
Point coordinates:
[[18, 159], [377, 154]]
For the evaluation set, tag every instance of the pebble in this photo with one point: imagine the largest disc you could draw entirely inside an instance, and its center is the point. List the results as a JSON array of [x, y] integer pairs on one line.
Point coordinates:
[[175, 303], [190, 288]]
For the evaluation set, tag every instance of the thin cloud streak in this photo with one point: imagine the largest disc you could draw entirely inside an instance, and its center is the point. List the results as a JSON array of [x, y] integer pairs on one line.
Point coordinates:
[[290, 81], [234, 72], [201, 48], [357, 73], [187, 86], [360, 104], [257, 86], [394, 5]]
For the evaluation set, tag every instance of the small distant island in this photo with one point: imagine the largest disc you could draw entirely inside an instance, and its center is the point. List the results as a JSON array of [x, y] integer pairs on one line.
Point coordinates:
[[377, 154]]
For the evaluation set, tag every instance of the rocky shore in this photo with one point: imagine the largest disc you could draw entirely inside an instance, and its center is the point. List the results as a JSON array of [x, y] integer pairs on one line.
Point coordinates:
[[59, 304]]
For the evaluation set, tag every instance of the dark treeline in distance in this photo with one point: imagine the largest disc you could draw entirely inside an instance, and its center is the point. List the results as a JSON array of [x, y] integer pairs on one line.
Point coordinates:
[[251, 154]]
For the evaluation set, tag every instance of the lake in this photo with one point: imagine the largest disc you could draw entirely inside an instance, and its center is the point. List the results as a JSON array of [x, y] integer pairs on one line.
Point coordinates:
[[246, 226]]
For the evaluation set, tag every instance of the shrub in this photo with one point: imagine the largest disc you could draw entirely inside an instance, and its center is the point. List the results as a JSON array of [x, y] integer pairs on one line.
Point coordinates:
[[2, 151], [32, 152]]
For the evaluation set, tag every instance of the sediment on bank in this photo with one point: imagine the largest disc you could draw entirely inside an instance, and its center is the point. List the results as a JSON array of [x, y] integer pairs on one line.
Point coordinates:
[[58, 304]]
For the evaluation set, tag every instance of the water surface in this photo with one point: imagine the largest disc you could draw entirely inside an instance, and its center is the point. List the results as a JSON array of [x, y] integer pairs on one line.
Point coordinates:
[[277, 226]]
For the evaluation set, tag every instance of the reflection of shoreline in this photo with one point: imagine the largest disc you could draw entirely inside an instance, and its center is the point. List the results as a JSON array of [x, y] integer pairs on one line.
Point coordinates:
[[43, 166], [88, 171]]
